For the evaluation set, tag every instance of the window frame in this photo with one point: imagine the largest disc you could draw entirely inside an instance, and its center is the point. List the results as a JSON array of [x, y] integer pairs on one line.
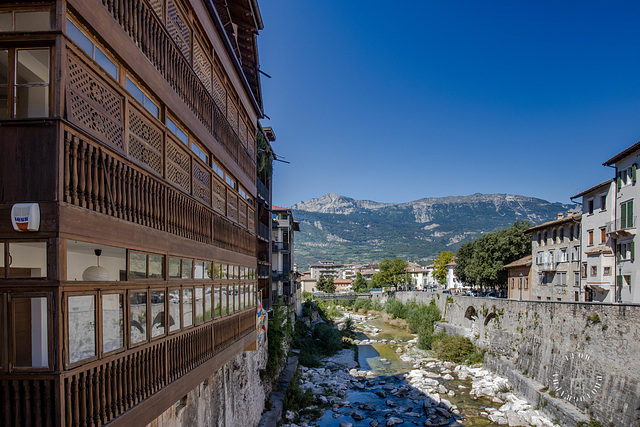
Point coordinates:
[[128, 78], [97, 325], [96, 46], [11, 331], [164, 265], [7, 257], [125, 320], [147, 339]]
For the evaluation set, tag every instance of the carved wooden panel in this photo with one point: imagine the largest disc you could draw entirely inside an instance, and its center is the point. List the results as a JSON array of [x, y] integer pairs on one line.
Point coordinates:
[[202, 65], [251, 145], [232, 206], [178, 169], [179, 29], [219, 195], [251, 219], [157, 7], [242, 133], [145, 141], [92, 105], [242, 213], [219, 93], [232, 115], [201, 183]]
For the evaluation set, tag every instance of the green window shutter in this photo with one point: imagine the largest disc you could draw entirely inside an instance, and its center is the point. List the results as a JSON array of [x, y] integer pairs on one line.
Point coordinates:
[[630, 221], [623, 216], [619, 281], [619, 252], [634, 167], [633, 250], [619, 180]]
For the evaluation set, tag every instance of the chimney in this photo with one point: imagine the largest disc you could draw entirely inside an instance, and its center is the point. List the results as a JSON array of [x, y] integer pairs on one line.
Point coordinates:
[[560, 215]]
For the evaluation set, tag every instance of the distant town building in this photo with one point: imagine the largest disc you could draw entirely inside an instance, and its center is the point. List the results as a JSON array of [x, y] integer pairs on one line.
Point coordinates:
[[343, 285], [555, 270], [519, 278], [452, 282], [326, 268]]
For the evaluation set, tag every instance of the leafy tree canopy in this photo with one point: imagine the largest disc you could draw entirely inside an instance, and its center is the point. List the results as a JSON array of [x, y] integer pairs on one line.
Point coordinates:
[[321, 283], [360, 284], [439, 266], [330, 287], [482, 261], [393, 272]]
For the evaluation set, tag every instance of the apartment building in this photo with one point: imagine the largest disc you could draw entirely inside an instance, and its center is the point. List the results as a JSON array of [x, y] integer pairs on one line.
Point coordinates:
[[622, 229], [326, 268], [519, 278], [128, 169], [597, 260], [556, 254], [283, 275]]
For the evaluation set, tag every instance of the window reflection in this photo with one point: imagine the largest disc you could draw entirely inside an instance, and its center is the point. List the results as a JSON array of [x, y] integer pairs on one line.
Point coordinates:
[[82, 327], [174, 309], [112, 322], [157, 314], [187, 307], [138, 316]]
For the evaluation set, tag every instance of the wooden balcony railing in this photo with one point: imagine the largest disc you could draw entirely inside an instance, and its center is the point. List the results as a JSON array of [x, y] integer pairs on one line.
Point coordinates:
[[95, 394], [139, 21], [101, 180]]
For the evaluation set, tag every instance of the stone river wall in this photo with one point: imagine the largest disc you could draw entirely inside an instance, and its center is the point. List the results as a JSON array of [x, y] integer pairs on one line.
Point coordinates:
[[565, 357], [232, 396]]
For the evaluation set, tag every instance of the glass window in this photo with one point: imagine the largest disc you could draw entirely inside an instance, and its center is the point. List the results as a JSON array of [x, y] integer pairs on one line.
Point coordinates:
[[141, 97], [112, 322], [157, 314], [200, 153], [177, 131], [155, 266], [137, 265], [208, 302], [108, 65], [224, 300], [208, 268], [31, 333], [236, 272], [32, 20], [174, 309], [174, 268], [27, 259], [217, 169], [82, 262], [198, 270], [230, 181], [236, 299], [82, 327], [138, 316], [79, 38], [187, 307], [4, 83], [32, 83], [199, 304], [187, 269], [6, 21]]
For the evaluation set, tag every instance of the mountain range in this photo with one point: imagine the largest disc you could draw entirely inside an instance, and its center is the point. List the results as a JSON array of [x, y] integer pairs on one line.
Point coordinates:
[[347, 230]]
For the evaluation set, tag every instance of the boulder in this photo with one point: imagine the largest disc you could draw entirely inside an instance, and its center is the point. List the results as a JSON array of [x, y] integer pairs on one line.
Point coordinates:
[[393, 421]]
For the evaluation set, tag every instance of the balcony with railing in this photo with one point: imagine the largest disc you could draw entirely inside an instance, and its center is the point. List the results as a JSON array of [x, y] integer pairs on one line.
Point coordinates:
[[280, 246], [623, 226]]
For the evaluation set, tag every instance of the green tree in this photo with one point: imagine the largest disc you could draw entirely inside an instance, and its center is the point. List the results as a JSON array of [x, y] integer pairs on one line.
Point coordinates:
[[393, 272], [321, 283], [330, 287], [439, 266], [482, 261], [360, 284]]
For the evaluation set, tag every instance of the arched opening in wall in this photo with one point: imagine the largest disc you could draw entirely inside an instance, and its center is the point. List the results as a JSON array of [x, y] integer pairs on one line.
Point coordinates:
[[471, 313], [488, 318]]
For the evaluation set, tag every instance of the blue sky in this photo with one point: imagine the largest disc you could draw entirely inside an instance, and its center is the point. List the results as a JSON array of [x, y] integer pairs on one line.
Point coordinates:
[[396, 101]]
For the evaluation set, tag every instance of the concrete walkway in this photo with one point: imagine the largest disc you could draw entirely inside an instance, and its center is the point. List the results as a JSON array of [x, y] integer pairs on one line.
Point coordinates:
[[271, 418]]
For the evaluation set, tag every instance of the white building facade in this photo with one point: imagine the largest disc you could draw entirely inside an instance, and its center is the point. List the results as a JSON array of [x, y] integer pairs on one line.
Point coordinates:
[[597, 262]]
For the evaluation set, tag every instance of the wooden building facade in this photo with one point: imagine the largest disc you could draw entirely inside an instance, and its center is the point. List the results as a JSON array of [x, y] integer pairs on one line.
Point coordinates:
[[131, 126]]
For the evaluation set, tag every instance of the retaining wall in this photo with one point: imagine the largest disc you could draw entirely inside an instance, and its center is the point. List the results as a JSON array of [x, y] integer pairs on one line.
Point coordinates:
[[586, 355]]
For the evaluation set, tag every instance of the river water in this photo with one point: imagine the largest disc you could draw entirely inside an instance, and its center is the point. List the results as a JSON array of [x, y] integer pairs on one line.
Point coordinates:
[[386, 375]]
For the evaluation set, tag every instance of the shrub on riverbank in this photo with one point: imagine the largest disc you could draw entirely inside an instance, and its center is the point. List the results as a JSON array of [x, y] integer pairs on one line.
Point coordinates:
[[457, 349], [420, 319], [279, 332], [324, 339]]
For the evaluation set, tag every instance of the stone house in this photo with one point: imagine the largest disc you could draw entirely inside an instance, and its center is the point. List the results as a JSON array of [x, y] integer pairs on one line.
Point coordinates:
[[622, 228], [519, 278], [555, 268], [597, 260]]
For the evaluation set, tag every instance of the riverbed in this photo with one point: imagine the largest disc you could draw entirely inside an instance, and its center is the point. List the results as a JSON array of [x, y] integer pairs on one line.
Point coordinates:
[[395, 383]]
